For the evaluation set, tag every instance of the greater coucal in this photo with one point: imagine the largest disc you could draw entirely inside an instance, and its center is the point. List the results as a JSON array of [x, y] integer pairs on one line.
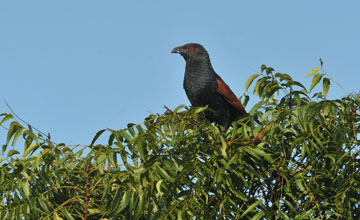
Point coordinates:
[[204, 87]]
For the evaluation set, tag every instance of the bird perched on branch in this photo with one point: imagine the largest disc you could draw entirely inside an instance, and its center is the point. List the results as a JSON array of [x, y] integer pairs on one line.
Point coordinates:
[[204, 87]]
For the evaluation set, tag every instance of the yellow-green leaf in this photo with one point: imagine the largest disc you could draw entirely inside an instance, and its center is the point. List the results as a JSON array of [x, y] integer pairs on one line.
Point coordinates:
[[223, 147], [258, 89], [251, 207], [258, 216], [158, 184], [26, 188], [12, 152], [14, 127], [250, 80], [164, 174], [326, 86], [177, 109], [32, 148], [312, 72], [124, 201], [316, 80], [6, 117], [299, 184], [56, 216], [263, 67]]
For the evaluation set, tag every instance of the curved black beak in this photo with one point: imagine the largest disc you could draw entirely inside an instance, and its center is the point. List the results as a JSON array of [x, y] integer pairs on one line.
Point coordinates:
[[176, 50]]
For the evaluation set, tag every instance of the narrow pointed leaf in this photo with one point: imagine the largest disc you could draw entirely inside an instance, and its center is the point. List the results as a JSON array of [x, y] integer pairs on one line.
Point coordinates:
[[253, 206], [263, 67], [326, 86], [97, 136], [312, 72], [316, 80], [250, 80]]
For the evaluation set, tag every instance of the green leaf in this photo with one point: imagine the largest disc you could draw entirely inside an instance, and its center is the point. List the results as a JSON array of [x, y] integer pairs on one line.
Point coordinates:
[[197, 110], [263, 67], [326, 86], [258, 153], [101, 158], [304, 215], [296, 83], [111, 139], [283, 76], [269, 70], [289, 205], [96, 137], [14, 127], [177, 109], [223, 147], [139, 170], [56, 216], [94, 211], [6, 117], [140, 207], [259, 86], [179, 215], [26, 188], [12, 152], [32, 149], [124, 135], [253, 206], [17, 135], [316, 80], [299, 183], [43, 204], [124, 201], [158, 184], [312, 72], [247, 98], [250, 80], [164, 174], [68, 216], [258, 216], [270, 90], [284, 215]]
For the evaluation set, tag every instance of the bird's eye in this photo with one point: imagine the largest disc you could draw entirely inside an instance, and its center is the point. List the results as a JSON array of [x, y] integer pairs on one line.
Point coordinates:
[[191, 49]]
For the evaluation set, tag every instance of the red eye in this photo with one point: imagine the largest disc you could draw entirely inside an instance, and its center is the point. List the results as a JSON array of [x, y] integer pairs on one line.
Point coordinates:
[[191, 49]]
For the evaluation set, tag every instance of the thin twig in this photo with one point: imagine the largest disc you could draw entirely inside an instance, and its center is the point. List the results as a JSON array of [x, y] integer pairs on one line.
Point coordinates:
[[23, 120], [4, 127], [335, 82]]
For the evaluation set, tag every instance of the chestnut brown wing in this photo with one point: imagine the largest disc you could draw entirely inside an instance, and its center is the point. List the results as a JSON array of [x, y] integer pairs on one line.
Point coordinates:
[[224, 90]]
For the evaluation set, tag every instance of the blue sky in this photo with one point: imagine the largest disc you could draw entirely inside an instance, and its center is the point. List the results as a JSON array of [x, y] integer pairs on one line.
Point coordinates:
[[72, 68]]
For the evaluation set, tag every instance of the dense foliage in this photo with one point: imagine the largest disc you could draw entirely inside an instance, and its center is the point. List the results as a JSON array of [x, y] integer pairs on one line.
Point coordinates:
[[295, 156]]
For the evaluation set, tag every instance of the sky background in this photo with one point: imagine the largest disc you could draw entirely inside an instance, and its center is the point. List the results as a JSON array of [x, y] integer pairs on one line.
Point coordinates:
[[72, 68]]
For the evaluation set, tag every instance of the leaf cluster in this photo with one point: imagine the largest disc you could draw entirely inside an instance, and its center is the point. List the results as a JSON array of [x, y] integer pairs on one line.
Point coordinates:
[[295, 156]]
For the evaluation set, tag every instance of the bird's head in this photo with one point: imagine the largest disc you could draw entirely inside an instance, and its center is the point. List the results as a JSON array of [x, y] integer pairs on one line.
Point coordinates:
[[192, 51]]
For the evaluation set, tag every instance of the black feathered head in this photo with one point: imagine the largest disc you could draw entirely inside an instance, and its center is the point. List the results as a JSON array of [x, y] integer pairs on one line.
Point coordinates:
[[192, 52]]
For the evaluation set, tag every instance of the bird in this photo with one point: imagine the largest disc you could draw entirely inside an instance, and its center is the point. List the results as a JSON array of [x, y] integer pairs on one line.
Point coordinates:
[[204, 87]]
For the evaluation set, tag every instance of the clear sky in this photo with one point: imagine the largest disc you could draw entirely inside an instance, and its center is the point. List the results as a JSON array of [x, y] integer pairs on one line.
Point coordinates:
[[72, 68]]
